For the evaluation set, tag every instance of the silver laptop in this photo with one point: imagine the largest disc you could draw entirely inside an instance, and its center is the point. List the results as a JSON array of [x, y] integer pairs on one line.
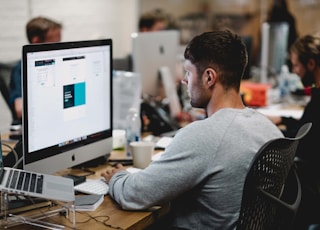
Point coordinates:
[[35, 184]]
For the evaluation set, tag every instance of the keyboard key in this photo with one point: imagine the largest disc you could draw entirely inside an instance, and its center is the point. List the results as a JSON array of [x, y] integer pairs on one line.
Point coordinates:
[[33, 182], [9, 178], [14, 179], [20, 180], [26, 182], [39, 184]]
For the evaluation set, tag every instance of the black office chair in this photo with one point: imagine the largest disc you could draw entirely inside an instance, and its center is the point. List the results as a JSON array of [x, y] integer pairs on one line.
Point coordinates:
[[272, 190]]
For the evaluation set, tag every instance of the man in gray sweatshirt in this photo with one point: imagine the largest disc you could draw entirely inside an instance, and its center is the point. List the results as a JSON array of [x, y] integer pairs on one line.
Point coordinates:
[[202, 171]]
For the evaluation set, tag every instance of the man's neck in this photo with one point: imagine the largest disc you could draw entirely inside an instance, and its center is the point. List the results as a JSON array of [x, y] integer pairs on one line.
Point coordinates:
[[230, 99]]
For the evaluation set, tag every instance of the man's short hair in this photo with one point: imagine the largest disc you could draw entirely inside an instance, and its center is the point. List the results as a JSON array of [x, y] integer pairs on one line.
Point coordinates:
[[147, 20], [39, 27], [221, 50], [307, 47]]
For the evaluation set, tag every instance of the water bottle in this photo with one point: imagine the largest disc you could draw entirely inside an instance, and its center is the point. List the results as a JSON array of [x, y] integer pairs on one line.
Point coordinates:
[[284, 84], [133, 128]]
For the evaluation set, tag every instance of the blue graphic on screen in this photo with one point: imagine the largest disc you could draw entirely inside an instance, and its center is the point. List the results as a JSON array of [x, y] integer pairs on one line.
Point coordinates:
[[74, 95]]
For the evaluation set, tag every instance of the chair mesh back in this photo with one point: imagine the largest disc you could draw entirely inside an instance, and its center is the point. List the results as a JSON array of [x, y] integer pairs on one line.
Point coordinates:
[[270, 199], [269, 172]]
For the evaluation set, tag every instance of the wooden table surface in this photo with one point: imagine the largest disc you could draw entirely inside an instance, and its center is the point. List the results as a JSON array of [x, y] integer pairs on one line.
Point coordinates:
[[108, 215]]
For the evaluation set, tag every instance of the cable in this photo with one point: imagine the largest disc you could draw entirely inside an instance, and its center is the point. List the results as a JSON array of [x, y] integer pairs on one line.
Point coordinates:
[[13, 150], [104, 222], [17, 162]]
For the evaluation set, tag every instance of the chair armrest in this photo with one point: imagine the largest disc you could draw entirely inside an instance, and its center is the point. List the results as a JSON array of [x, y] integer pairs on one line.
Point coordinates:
[[294, 206]]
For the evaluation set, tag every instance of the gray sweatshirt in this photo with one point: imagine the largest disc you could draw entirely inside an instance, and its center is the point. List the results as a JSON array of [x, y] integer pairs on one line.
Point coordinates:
[[201, 172]]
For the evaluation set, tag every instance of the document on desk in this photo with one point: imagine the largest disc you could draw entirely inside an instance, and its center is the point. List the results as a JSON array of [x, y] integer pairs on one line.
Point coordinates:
[[159, 142], [278, 110], [163, 142]]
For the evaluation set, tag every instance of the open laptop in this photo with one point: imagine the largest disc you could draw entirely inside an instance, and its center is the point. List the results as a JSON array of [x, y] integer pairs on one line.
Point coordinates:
[[35, 184]]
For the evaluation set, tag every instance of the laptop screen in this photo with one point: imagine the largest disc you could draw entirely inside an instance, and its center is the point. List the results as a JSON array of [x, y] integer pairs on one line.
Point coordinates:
[[67, 101]]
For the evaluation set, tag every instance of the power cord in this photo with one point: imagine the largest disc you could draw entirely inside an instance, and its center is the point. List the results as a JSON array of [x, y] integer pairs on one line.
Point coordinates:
[[11, 149], [17, 162], [104, 220], [17, 159]]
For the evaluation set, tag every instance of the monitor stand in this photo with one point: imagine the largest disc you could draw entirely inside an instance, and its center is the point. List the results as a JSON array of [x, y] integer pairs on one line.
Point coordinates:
[[170, 91]]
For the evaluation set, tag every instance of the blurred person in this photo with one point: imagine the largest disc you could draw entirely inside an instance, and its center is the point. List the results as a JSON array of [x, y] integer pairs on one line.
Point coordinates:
[[279, 12], [152, 21], [38, 30], [305, 58], [202, 172]]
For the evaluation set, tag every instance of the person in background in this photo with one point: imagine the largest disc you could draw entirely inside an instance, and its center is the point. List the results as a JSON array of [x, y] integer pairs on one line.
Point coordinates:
[[153, 21], [38, 30], [305, 58], [202, 172], [279, 12]]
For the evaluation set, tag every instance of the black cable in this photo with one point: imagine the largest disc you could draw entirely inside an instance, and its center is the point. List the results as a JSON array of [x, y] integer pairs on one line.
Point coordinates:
[[11, 149], [96, 218]]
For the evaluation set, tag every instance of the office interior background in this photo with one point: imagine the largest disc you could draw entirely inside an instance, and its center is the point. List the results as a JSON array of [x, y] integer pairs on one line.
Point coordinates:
[[117, 19]]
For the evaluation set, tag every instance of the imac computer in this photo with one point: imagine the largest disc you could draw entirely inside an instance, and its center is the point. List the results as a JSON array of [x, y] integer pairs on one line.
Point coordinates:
[[155, 57], [152, 51], [67, 104]]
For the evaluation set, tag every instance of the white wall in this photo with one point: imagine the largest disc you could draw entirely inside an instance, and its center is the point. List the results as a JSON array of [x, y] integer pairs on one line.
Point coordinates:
[[81, 19]]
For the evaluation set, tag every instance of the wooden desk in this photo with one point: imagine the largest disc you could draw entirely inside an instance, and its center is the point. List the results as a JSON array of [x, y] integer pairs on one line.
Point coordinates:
[[109, 210], [5, 139], [108, 215], [294, 111]]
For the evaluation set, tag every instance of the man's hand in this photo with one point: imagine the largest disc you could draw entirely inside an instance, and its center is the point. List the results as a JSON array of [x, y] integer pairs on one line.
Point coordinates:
[[18, 107], [275, 119], [110, 172]]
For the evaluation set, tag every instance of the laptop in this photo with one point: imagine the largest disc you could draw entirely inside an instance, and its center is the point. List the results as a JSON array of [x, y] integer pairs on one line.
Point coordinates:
[[33, 184]]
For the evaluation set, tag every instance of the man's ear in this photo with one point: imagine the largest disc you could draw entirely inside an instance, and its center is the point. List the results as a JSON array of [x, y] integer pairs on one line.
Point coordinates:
[[35, 39], [210, 77]]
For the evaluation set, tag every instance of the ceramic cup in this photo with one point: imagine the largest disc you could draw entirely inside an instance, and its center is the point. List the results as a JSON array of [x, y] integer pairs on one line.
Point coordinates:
[[142, 152]]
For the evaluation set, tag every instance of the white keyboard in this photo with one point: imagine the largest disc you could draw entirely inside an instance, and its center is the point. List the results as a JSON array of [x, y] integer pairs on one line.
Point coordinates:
[[97, 186]]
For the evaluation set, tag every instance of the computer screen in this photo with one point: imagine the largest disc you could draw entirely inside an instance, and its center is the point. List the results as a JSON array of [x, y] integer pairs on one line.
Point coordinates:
[[67, 103], [150, 52]]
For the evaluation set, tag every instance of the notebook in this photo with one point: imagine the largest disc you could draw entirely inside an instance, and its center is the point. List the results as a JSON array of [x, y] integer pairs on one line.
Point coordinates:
[[35, 184]]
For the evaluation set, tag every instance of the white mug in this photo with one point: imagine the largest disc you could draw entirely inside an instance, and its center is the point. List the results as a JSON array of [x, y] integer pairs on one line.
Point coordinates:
[[142, 152]]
